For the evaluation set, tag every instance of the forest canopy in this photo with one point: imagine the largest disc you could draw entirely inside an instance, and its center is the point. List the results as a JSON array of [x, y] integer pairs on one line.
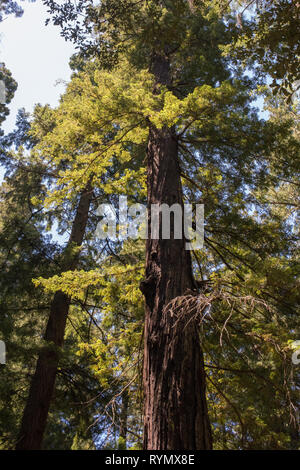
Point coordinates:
[[125, 343]]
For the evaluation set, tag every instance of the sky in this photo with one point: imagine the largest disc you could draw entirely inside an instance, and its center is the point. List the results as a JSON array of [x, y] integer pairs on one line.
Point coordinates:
[[37, 56]]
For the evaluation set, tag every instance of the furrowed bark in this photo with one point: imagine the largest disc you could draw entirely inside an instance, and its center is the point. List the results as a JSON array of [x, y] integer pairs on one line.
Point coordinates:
[[175, 410], [42, 386]]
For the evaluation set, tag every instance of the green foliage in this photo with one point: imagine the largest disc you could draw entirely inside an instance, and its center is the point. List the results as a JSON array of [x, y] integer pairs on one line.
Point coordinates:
[[10, 88], [245, 170], [268, 37]]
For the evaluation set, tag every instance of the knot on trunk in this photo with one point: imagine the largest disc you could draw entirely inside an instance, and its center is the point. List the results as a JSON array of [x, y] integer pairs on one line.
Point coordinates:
[[148, 287]]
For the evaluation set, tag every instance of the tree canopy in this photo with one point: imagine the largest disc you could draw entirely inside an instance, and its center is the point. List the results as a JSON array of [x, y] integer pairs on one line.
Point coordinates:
[[149, 77]]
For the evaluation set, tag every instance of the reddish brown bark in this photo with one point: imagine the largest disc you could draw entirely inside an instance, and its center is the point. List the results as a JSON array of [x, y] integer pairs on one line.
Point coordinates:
[[175, 410], [42, 386]]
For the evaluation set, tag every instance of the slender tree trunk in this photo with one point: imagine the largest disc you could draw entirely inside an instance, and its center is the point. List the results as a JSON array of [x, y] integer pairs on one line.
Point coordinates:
[[123, 421], [42, 386], [175, 410]]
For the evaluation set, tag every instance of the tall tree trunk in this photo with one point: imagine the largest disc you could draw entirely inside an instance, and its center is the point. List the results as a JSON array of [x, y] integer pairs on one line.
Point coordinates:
[[175, 410], [123, 421], [42, 386]]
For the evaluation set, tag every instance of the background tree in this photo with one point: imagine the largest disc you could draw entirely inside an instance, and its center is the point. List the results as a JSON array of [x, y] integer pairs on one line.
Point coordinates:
[[267, 39]]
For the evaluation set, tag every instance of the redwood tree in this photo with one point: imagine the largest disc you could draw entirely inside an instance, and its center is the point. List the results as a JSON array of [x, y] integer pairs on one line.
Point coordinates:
[[201, 127], [178, 44], [42, 386], [175, 410]]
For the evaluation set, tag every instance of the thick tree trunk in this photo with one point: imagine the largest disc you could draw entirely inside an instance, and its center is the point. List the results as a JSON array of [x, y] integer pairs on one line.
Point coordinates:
[[175, 410], [42, 386]]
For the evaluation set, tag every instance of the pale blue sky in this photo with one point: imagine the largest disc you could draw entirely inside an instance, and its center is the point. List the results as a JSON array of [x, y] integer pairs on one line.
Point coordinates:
[[36, 55]]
